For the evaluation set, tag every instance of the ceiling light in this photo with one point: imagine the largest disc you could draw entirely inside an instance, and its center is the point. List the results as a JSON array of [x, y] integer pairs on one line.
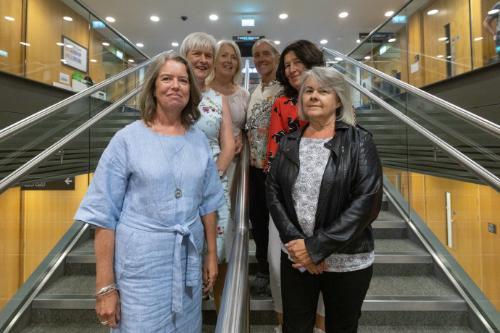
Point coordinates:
[[477, 39], [213, 17], [64, 61], [432, 12], [93, 60], [493, 11], [392, 40], [442, 39], [25, 44], [59, 44], [389, 13], [440, 56], [247, 22], [283, 16], [154, 18], [338, 58], [105, 44], [343, 14], [69, 46], [131, 60], [139, 44], [68, 18], [175, 44], [277, 42], [323, 41], [9, 18], [368, 58], [110, 19], [358, 41], [448, 57]]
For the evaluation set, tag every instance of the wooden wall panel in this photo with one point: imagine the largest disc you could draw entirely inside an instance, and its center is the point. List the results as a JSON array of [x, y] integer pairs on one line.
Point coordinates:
[[415, 50], [47, 216], [489, 201], [10, 243], [10, 36]]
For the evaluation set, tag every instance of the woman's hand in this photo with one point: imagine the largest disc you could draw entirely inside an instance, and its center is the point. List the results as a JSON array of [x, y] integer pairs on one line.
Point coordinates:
[[298, 252], [107, 307], [312, 268], [238, 143], [210, 271]]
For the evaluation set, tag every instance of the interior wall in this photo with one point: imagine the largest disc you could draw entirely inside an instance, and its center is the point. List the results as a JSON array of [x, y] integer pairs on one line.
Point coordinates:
[[10, 36], [473, 207]]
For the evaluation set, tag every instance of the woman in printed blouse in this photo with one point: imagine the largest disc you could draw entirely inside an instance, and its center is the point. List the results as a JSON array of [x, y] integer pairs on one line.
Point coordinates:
[[296, 58]]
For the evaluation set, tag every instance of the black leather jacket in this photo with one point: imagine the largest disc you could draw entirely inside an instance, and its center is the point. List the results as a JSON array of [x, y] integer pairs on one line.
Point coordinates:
[[350, 195]]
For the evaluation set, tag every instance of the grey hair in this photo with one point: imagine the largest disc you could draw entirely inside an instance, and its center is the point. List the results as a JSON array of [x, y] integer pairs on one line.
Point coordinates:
[[197, 41], [147, 98], [218, 47], [333, 80], [275, 50]]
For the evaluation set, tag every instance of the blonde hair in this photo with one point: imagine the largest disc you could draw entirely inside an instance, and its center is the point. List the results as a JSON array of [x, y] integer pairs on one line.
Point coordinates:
[[218, 47], [333, 80], [147, 99]]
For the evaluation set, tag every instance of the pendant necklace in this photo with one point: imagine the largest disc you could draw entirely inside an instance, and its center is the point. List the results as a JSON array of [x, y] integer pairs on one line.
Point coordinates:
[[177, 177]]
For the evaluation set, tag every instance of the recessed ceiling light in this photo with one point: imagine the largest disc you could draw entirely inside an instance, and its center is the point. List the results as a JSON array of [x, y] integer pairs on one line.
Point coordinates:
[[323, 41], [154, 18], [139, 44], [358, 41], [110, 19], [175, 44], [392, 40], [389, 13], [93, 60], [368, 58], [283, 16], [25, 44], [9, 18], [69, 46], [440, 56], [131, 60], [64, 61], [442, 39], [59, 44], [343, 14], [105, 44], [68, 18], [432, 12], [247, 22], [493, 11], [477, 39], [338, 58], [277, 42], [213, 17]]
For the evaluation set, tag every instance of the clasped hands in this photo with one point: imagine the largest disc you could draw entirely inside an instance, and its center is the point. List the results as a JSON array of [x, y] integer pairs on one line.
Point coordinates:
[[301, 259]]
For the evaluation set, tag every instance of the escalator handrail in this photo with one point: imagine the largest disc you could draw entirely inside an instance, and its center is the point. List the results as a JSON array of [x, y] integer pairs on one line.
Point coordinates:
[[483, 123], [42, 114], [234, 310], [478, 170], [15, 175]]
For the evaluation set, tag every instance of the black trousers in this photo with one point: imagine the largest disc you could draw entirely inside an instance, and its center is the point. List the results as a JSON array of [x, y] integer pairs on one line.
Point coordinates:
[[343, 295], [259, 216]]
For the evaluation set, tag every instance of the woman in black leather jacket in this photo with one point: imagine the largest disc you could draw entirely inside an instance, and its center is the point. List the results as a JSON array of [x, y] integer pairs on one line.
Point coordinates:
[[324, 190]]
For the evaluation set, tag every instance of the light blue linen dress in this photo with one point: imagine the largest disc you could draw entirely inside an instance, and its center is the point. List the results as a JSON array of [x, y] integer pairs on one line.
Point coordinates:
[[210, 123], [158, 235]]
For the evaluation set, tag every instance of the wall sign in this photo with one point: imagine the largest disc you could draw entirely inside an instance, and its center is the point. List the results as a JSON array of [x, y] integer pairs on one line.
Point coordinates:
[[65, 184], [74, 55]]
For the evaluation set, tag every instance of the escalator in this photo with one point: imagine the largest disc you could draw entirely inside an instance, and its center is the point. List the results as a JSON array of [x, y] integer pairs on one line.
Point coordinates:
[[418, 286]]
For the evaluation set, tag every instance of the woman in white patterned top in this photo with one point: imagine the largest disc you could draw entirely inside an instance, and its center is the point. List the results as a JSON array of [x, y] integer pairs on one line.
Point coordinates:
[[324, 190]]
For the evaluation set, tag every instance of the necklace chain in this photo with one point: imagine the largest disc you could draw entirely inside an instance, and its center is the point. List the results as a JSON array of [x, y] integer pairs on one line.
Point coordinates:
[[177, 180]]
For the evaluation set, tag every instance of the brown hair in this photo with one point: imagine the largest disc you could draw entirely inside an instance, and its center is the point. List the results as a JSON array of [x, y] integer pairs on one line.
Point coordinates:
[[147, 99]]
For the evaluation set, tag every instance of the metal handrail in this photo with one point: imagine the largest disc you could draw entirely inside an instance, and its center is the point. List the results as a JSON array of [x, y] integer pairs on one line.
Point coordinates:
[[6, 182], [234, 311], [482, 173], [35, 117], [484, 124]]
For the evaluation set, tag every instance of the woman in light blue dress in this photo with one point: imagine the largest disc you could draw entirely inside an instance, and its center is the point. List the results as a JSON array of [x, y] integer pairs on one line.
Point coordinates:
[[154, 195], [215, 122]]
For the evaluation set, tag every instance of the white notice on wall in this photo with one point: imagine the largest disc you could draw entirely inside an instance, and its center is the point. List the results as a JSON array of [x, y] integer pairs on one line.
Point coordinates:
[[414, 67], [64, 78]]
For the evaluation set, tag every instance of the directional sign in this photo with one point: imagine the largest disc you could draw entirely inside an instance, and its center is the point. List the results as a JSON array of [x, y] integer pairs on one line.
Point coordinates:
[[65, 184]]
